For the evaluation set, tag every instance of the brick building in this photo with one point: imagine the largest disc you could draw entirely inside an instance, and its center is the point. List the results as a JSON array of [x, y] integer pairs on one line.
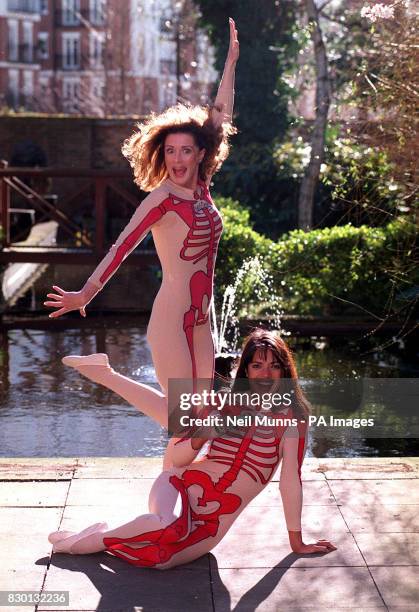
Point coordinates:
[[102, 57]]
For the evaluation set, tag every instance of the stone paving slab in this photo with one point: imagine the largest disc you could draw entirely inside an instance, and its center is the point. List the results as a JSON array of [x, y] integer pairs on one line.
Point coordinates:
[[398, 586], [373, 520], [368, 468], [23, 531], [354, 493], [254, 519], [277, 589], [389, 548], [19, 579], [270, 547], [316, 493], [381, 518], [100, 492], [124, 467], [76, 518], [38, 468], [103, 582], [30, 520], [34, 494]]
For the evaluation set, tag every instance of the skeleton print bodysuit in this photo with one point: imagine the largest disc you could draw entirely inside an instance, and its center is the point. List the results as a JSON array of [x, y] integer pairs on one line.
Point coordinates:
[[213, 492], [186, 228], [192, 504]]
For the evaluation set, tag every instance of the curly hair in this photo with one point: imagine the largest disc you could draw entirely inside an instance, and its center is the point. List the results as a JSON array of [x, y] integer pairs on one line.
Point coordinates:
[[145, 148]]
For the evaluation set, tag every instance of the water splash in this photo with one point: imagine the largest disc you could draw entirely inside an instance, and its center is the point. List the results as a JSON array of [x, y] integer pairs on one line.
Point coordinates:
[[252, 295]]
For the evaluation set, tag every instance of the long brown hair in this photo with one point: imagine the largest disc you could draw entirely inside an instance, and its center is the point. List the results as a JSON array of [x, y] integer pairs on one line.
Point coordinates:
[[145, 148], [262, 340]]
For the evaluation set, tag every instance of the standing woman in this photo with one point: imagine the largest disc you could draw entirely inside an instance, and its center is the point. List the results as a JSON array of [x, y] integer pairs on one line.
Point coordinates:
[[174, 155]]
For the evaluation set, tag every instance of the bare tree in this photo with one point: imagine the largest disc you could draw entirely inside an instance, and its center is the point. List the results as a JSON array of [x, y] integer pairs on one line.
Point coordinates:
[[323, 95]]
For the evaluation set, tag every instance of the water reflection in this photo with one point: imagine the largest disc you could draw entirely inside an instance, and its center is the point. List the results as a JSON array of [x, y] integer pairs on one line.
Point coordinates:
[[47, 409]]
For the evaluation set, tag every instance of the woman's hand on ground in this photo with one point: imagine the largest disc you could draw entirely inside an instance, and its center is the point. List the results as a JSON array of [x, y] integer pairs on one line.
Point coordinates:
[[233, 50], [66, 301], [298, 546], [321, 546]]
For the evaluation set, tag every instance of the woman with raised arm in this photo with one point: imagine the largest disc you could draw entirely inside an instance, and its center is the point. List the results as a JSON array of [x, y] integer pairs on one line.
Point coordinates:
[[174, 155], [215, 489]]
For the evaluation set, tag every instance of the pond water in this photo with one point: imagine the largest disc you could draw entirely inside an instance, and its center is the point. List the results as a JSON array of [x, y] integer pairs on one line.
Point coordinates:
[[49, 410]]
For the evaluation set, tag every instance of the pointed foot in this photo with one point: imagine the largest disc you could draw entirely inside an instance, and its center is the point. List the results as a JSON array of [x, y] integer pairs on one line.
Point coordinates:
[[65, 545], [77, 361]]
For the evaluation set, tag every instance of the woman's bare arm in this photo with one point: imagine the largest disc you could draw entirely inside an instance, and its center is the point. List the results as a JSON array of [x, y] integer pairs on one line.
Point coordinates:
[[146, 214], [292, 499], [224, 102]]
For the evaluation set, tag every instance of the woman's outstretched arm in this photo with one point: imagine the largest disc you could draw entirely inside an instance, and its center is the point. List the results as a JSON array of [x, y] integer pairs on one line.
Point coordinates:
[[144, 217], [292, 497], [224, 102]]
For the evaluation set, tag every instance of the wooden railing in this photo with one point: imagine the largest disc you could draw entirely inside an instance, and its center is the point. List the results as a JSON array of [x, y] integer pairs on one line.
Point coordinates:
[[84, 247]]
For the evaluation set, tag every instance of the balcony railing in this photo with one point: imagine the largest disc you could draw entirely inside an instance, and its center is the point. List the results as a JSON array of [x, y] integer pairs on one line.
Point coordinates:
[[74, 19], [22, 54], [23, 6]]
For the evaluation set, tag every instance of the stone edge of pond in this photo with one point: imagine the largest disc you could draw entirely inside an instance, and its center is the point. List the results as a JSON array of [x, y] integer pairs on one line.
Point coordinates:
[[67, 468]]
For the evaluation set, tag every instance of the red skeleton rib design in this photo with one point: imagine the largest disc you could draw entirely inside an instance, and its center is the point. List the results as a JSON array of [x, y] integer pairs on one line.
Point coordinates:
[[201, 242], [256, 454]]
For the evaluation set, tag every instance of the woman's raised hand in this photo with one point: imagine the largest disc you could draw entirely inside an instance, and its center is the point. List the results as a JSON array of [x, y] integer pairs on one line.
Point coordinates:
[[65, 301], [233, 49]]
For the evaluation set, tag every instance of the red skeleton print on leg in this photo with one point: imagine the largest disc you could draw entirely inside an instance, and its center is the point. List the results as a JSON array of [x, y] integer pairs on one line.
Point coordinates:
[[213, 491], [256, 454]]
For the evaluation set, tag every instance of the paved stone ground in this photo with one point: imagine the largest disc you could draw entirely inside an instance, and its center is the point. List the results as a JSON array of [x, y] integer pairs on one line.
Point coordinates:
[[368, 507]]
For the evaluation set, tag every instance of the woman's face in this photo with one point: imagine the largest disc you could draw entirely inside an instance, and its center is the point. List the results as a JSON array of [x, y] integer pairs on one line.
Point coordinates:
[[262, 371], [182, 158]]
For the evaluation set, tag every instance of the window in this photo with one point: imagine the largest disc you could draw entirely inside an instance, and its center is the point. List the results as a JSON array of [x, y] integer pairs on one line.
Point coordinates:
[[97, 11], [13, 87], [71, 89], [44, 7], [43, 47], [27, 48], [96, 50], [71, 12], [13, 41], [71, 94], [71, 50], [27, 88]]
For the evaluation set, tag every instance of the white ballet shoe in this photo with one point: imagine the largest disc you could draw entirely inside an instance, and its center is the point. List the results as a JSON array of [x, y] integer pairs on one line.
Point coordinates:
[[77, 361], [56, 536], [64, 545]]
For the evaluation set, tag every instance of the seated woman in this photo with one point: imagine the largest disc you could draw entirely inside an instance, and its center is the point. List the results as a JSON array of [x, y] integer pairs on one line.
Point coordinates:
[[216, 488]]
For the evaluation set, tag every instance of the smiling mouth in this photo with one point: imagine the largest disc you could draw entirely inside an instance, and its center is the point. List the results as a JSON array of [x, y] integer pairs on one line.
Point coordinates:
[[265, 383], [179, 172]]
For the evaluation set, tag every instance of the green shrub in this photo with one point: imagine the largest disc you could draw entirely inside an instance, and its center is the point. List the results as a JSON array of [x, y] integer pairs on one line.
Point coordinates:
[[346, 269], [339, 270], [239, 242]]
